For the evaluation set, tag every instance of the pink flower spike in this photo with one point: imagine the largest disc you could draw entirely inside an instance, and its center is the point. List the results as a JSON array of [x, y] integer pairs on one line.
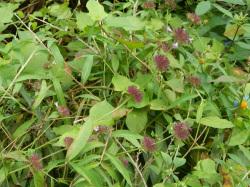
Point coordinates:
[[161, 62], [63, 110], [181, 130], [194, 18], [181, 36], [149, 144], [68, 141], [136, 93], [149, 5], [35, 162]]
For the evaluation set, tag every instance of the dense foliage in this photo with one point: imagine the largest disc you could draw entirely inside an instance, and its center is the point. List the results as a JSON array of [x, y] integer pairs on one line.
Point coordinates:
[[132, 93]]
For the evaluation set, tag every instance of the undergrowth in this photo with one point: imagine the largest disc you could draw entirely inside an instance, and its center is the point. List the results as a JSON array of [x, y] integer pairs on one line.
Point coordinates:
[[124, 93]]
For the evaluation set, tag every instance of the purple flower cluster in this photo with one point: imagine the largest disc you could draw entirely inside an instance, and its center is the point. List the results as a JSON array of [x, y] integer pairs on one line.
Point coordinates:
[[194, 18], [35, 162], [181, 36], [181, 130], [68, 141], [164, 46], [149, 5], [149, 144], [171, 4], [63, 110], [194, 81], [161, 62], [136, 93]]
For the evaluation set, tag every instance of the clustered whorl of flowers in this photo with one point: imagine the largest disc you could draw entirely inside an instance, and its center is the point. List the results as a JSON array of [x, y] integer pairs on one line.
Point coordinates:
[[171, 4], [135, 93], [164, 46], [161, 62], [68, 141], [181, 130], [181, 36], [149, 5], [35, 162], [63, 110], [194, 18], [194, 81], [149, 144]]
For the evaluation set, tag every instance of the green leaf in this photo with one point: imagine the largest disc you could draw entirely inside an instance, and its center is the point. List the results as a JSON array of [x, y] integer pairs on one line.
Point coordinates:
[[3, 174], [176, 85], [206, 165], [167, 158], [96, 10], [226, 78], [80, 141], [86, 69], [16, 155], [115, 63], [136, 120], [72, 132], [200, 111], [244, 45], [59, 91], [128, 135], [158, 104], [7, 12], [245, 151], [203, 7], [131, 44], [38, 177], [178, 162], [155, 24], [83, 20], [181, 100], [120, 167], [60, 11], [56, 52], [173, 62], [216, 122], [232, 29], [128, 23], [121, 83], [201, 43], [21, 130], [238, 137], [236, 2], [101, 114], [90, 175], [247, 89], [41, 95], [223, 10], [206, 169]]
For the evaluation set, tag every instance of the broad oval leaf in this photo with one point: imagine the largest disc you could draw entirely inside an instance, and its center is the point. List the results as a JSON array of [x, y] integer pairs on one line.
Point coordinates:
[[203, 7], [129, 23], [96, 10], [137, 120], [83, 20], [216, 122], [238, 137], [102, 114]]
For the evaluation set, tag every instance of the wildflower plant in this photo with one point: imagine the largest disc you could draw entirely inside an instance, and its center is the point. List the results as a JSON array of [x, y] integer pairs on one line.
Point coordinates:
[[124, 93]]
